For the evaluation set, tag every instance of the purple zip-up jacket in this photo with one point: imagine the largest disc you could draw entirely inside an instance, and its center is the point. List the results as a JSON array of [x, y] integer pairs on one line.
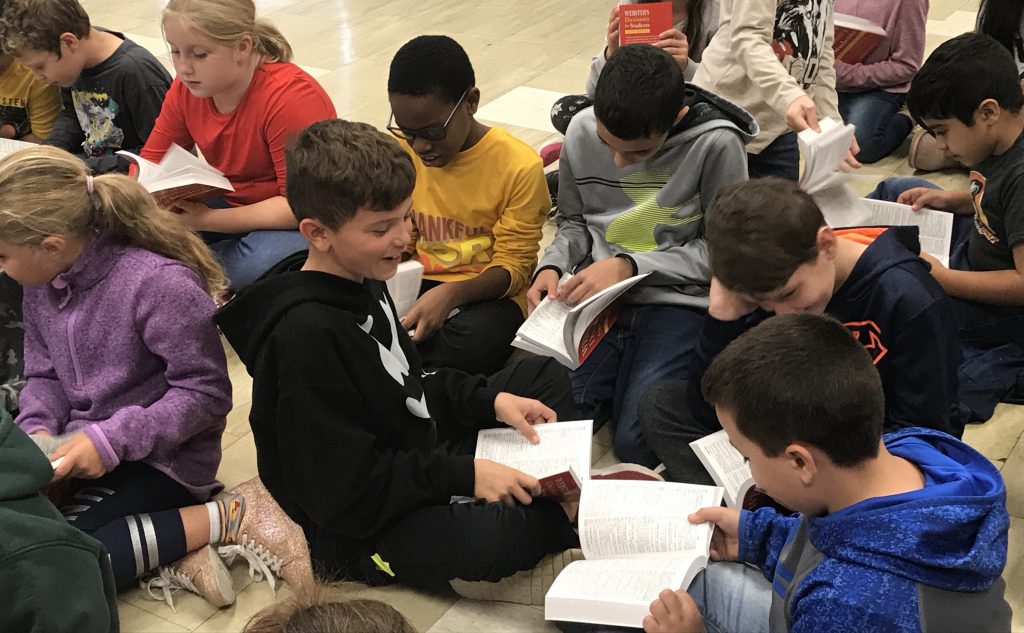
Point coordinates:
[[123, 347]]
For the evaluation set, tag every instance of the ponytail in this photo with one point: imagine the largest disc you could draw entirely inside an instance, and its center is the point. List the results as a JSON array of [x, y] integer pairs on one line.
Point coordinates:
[[45, 191], [271, 43]]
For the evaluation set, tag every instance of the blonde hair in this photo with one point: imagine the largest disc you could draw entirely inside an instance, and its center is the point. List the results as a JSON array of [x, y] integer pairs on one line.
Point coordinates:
[[228, 21], [44, 191], [316, 611]]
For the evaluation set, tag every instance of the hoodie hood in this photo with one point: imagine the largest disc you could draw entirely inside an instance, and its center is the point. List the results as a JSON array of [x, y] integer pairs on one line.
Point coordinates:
[[249, 318], [23, 467], [951, 534], [895, 246], [707, 112]]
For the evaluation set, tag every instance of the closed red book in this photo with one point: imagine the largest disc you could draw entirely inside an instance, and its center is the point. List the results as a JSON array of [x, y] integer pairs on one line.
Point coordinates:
[[855, 38], [643, 23]]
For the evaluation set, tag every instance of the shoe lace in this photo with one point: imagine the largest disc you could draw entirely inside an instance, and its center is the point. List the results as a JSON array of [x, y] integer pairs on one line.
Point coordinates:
[[262, 562], [168, 581]]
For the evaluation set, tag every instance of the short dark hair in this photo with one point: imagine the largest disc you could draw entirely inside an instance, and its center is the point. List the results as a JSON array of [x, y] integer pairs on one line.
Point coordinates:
[[38, 24], [759, 232], [337, 167], [431, 64], [640, 92], [959, 75], [801, 378]]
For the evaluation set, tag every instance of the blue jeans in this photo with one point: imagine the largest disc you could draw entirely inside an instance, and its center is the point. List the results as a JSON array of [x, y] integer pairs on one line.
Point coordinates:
[[647, 345], [732, 597], [246, 256], [780, 159], [880, 127], [992, 369]]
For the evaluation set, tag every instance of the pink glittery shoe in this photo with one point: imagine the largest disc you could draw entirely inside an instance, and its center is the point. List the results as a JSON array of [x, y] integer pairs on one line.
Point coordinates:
[[272, 543]]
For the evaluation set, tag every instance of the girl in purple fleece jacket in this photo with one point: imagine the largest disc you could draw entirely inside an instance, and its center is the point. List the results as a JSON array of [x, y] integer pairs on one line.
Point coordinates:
[[127, 387]]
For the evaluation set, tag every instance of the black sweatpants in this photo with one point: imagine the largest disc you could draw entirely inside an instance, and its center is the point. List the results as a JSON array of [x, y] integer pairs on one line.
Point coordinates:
[[479, 541], [669, 424], [477, 340]]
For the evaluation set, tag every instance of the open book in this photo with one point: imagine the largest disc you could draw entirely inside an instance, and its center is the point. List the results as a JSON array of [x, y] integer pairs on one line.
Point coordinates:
[[570, 334], [9, 146], [404, 287], [935, 227], [637, 541], [179, 176], [561, 461], [726, 466], [855, 38], [824, 153]]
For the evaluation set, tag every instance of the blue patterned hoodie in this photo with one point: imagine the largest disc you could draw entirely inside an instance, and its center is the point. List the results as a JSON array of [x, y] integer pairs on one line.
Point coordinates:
[[927, 560]]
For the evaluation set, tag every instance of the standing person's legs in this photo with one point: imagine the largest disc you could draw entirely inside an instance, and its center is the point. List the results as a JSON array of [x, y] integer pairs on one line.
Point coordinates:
[[880, 126], [891, 188], [246, 257], [780, 159], [669, 423], [134, 511], [471, 541], [477, 340], [660, 347], [733, 598]]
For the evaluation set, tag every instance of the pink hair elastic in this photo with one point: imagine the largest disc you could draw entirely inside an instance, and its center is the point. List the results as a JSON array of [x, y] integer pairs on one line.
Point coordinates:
[[88, 184]]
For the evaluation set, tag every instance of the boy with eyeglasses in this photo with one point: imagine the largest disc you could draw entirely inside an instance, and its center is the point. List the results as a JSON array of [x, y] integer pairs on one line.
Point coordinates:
[[478, 207]]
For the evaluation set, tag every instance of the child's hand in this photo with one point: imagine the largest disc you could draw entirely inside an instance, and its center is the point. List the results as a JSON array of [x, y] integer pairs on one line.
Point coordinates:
[[938, 269], [611, 39], [522, 413], [194, 215], [545, 285], [921, 197], [595, 278], [851, 156], [726, 305], [675, 44], [725, 540], [81, 459], [802, 114], [496, 483], [429, 312], [674, 612]]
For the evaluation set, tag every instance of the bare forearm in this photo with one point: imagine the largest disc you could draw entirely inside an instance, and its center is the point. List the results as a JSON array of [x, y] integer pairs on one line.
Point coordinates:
[[268, 215], [1001, 287], [961, 202], [493, 283]]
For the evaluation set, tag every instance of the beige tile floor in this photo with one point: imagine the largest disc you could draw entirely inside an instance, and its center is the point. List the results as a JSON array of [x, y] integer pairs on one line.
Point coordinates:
[[525, 54]]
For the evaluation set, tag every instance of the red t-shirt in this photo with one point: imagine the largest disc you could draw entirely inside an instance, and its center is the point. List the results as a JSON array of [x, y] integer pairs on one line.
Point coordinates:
[[247, 144]]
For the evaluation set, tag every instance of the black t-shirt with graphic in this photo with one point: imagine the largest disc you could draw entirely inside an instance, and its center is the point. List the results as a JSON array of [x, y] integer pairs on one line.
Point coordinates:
[[997, 187]]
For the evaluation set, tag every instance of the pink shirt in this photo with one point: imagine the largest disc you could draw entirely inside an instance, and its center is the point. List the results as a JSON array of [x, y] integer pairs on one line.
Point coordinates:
[[895, 61]]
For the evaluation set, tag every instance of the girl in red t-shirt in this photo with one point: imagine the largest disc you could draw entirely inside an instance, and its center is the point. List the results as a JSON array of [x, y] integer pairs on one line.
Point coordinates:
[[239, 100]]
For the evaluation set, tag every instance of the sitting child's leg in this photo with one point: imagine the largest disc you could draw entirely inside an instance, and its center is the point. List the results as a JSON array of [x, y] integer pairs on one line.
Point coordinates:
[[246, 257], [669, 424], [880, 126], [891, 188], [135, 512], [733, 598], [477, 340], [471, 541], [566, 108], [662, 342]]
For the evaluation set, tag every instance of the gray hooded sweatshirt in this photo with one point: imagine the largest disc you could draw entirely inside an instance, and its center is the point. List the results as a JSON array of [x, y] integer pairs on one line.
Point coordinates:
[[652, 212]]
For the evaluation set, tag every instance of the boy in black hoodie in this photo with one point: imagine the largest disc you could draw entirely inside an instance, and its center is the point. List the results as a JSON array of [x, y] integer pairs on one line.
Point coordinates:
[[358, 445], [771, 252]]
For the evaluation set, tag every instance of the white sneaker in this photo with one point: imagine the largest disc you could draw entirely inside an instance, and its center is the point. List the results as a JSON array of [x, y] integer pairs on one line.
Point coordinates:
[[524, 587]]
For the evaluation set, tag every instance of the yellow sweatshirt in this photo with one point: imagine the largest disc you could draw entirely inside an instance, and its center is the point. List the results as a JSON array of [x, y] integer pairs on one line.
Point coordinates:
[[27, 103], [484, 209]]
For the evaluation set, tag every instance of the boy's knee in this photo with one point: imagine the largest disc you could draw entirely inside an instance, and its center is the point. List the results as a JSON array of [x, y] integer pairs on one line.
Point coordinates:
[[660, 405]]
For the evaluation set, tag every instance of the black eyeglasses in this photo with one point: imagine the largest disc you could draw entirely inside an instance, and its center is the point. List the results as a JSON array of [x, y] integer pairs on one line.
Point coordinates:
[[434, 133]]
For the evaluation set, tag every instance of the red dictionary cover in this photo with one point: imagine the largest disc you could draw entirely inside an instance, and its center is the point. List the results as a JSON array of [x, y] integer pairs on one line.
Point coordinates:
[[597, 329], [561, 487], [643, 23]]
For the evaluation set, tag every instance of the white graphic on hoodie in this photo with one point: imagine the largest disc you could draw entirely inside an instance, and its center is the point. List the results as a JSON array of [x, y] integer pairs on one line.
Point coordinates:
[[394, 361]]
